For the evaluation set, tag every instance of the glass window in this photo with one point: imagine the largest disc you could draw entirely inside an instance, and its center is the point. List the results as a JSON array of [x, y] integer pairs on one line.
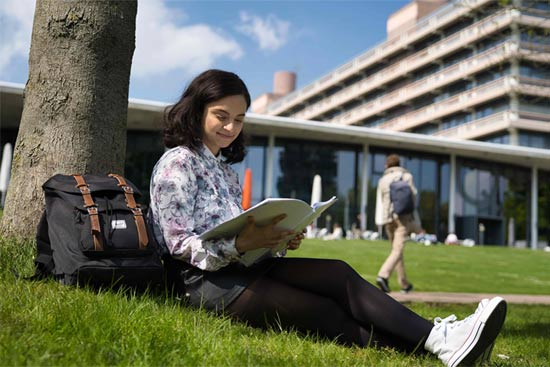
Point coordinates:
[[379, 163], [296, 162], [534, 139], [426, 129], [536, 105], [8, 136], [544, 207], [255, 161], [532, 70], [443, 190], [490, 42], [143, 150], [373, 121], [492, 203], [492, 107], [503, 138], [536, 35], [536, 4]]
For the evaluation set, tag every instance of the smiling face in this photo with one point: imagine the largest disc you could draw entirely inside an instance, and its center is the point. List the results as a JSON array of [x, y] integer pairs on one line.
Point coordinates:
[[223, 122]]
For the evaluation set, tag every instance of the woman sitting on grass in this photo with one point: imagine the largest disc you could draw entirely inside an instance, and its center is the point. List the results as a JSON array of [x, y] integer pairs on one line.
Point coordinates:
[[194, 188]]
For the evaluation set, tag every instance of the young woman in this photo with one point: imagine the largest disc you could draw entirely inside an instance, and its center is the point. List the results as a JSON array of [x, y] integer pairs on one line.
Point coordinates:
[[193, 188]]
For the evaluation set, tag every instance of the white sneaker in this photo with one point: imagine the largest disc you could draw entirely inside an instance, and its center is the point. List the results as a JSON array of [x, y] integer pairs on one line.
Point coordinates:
[[463, 342]]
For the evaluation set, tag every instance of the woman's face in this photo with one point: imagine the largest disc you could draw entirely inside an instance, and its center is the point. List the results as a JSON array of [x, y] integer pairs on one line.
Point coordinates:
[[223, 122]]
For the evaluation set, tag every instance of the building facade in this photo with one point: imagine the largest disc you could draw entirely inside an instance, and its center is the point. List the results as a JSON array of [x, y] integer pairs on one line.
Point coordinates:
[[492, 193], [467, 69], [470, 78]]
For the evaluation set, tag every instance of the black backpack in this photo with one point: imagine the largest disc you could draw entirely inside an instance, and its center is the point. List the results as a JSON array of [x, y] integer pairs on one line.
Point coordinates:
[[402, 197], [94, 233]]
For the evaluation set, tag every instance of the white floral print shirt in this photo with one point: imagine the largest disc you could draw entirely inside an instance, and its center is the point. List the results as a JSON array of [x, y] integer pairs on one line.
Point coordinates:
[[190, 194]]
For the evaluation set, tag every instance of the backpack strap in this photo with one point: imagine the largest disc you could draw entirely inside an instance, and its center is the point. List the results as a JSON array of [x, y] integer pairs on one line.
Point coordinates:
[[136, 210], [92, 209], [43, 261]]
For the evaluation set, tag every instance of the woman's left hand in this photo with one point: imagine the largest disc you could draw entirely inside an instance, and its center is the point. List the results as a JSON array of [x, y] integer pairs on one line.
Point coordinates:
[[294, 243]]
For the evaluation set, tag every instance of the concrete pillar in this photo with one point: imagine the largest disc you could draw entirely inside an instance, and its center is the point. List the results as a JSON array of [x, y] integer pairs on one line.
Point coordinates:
[[364, 187], [269, 166], [515, 64], [514, 98], [534, 208], [514, 136]]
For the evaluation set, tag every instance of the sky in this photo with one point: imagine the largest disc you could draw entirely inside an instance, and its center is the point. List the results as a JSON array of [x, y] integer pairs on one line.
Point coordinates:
[[177, 39]]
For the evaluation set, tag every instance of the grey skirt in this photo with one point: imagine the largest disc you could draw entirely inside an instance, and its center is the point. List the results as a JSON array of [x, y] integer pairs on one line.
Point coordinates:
[[212, 290]]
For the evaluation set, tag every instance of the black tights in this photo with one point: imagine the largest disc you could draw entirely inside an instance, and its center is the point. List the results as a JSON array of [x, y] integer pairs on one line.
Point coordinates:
[[329, 298]]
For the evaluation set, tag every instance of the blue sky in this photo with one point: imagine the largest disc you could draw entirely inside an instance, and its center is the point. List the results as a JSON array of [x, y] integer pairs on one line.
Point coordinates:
[[176, 40]]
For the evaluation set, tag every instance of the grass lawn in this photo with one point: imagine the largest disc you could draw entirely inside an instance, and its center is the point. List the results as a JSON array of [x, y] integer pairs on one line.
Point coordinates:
[[440, 268], [46, 324]]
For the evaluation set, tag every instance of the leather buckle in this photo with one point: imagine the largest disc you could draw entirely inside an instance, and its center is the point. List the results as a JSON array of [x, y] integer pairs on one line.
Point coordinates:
[[92, 210], [84, 189], [128, 189]]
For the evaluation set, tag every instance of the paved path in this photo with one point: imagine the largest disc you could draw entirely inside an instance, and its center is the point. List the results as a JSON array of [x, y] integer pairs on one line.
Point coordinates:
[[441, 297]]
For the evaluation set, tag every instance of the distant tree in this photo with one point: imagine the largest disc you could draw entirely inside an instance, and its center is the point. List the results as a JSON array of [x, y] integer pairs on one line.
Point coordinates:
[[76, 101]]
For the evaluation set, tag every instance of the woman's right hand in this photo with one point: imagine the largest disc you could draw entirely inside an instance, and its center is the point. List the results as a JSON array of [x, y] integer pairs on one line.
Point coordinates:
[[268, 236]]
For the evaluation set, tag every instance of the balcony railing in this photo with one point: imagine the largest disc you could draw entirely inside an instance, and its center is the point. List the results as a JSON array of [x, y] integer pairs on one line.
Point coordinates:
[[497, 122], [425, 26], [537, 116], [480, 127], [535, 86], [454, 104], [457, 71], [469, 99]]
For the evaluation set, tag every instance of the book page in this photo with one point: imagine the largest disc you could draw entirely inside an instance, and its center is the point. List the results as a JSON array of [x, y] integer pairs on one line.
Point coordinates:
[[263, 213], [299, 215], [318, 209]]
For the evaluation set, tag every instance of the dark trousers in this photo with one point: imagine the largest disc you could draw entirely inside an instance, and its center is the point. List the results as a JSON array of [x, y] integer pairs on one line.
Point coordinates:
[[331, 299]]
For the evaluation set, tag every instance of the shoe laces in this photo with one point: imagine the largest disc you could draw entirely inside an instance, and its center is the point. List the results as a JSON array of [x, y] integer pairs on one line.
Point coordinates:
[[449, 322]]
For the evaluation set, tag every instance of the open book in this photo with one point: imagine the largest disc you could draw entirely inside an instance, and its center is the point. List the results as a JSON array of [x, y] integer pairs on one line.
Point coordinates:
[[299, 215]]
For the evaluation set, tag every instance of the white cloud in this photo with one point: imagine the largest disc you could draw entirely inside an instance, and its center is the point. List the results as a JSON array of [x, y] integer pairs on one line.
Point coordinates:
[[16, 17], [271, 33], [163, 46]]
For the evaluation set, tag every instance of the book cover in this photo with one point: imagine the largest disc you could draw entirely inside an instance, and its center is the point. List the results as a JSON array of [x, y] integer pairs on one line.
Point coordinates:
[[299, 215]]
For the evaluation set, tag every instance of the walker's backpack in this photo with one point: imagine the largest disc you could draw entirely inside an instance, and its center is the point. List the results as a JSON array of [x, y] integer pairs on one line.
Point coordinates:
[[93, 232], [402, 197]]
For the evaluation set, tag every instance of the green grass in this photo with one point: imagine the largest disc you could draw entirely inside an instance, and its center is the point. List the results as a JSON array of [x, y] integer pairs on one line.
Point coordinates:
[[46, 324], [440, 268]]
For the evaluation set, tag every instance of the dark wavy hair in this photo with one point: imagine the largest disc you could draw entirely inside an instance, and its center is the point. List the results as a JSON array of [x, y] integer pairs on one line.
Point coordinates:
[[183, 120]]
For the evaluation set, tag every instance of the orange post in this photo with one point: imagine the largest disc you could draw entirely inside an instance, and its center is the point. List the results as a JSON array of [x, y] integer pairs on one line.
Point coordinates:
[[247, 189]]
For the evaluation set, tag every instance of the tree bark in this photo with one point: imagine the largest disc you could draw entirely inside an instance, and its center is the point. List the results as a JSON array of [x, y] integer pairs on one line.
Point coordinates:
[[76, 101]]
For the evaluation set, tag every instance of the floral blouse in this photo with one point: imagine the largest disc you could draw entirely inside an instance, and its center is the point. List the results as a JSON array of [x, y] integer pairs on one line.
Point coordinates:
[[191, 193]]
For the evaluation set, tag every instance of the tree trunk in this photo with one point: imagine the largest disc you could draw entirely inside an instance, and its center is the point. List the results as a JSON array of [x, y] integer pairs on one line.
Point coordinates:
[[76, 101]]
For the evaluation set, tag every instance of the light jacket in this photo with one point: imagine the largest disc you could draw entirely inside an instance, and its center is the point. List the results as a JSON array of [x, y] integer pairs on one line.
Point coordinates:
[[384, 207]]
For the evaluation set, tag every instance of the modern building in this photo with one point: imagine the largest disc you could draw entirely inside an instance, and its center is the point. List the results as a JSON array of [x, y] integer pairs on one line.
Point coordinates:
[[492, 193], [459, 89], [467, 69]]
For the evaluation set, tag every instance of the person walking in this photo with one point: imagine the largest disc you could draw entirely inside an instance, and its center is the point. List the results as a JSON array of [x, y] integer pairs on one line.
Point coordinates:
[[397, 226]]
